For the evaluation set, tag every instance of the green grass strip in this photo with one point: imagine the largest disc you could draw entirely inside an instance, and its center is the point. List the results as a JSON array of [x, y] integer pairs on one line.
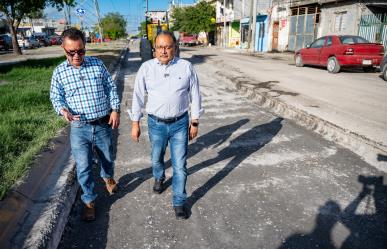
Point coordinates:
[[27, 119]]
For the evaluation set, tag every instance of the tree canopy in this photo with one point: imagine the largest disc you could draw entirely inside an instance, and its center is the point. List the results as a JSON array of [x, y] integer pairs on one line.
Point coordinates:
[[113, 25], [194, 19], [16, 10]]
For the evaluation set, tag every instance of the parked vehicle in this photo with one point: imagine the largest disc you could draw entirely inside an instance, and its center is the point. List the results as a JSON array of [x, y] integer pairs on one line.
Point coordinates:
[[55, 40], [43, 39], [28, 42], [336, 52], [188, 40], [5, 42], [383, 68]]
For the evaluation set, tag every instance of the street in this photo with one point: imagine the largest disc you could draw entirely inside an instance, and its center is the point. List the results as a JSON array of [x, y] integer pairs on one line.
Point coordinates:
[[256, 180]]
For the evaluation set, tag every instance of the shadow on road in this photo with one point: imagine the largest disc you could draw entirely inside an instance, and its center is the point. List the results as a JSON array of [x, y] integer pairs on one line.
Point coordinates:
[[238, 150], [367, 226], [382, 158], [214, 138], [198, 59]]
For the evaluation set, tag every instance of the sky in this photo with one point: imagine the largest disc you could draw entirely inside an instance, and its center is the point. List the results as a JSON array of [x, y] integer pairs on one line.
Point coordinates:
[[132, 10]]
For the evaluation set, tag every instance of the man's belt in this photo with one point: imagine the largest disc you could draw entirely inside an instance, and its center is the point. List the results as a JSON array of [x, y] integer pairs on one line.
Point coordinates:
[[167, 120], [100, 121]]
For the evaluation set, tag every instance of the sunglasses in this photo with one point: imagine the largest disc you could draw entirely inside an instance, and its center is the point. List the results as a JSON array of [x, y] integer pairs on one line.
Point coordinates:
[[79, 52]]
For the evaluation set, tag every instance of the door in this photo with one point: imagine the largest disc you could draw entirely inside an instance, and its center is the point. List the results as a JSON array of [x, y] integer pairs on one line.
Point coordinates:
[[261, 37], [274, 43], [311, 55], [303, 26]]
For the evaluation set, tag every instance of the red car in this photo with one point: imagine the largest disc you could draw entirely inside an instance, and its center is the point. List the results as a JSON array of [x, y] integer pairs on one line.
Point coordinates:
[[335, 52], [55, 40], [188, 40]]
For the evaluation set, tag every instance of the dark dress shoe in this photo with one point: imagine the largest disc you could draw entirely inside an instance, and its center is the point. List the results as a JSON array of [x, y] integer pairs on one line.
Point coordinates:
[[181, 212], [158, 187], [88, 212]]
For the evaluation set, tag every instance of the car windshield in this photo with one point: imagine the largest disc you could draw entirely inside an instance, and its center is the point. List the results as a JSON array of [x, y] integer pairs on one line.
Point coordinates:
[[352, 40]]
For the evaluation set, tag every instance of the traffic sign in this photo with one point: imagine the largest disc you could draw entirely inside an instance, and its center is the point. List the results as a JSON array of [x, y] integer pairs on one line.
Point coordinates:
[[80, 12]]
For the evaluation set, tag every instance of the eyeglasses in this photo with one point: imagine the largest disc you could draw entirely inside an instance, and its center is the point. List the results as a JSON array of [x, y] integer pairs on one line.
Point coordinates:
[[79, 52], [164, 48]]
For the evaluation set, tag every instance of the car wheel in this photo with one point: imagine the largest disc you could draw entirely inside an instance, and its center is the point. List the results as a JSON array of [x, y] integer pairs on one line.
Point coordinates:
[[333, 65], [299, 61], [369, 69], [384, 75]]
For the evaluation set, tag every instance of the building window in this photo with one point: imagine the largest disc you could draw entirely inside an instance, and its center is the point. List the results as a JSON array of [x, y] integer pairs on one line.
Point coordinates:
[[340, 21]]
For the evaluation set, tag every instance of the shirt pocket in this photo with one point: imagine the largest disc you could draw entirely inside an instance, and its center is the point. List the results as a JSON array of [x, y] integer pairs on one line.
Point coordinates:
[[180, 82], [72, 88]]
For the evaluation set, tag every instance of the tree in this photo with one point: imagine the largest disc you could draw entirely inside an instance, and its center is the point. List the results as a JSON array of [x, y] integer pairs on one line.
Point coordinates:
[[113, 25], [17, 10], [194, 19], [142, 29]]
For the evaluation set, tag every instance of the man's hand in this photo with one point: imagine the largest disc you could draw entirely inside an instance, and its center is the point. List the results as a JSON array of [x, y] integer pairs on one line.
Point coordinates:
[[114, 120], [193, 130], [136, 132], [68, 116]]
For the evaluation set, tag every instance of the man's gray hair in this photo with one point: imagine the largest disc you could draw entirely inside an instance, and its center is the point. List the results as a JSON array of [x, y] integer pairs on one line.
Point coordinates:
[[167, 33]]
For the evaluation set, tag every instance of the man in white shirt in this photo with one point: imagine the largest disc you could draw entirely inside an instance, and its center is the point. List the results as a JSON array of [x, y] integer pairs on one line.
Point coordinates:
[[171, 85]]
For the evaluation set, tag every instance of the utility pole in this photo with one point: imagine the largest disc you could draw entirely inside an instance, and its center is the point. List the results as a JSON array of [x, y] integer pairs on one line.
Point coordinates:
[[249, 34], [254, 26], [146, 19], [224, 24], [99, 20]]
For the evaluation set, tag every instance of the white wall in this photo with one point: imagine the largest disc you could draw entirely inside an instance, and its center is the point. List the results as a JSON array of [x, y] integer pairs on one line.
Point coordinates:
[[329, 20], [282, 16]]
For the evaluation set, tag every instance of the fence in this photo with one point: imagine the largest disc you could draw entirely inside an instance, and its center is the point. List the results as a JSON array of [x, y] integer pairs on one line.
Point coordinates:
[[374, 28]]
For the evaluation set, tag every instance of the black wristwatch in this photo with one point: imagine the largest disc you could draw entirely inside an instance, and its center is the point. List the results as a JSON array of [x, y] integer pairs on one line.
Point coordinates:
[[195, 124], [116, 110]]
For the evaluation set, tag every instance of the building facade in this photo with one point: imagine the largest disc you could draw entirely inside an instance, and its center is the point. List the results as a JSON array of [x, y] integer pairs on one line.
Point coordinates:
[[288, 25]]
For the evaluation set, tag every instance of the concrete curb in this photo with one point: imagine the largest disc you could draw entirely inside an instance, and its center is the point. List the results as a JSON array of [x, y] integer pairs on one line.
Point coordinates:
[[32, 206], [44, 200]]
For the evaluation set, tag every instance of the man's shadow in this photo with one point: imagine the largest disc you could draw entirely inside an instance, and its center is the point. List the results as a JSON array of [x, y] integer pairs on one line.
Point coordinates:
[[368, 228], [238, 150], [320, 237], [131, 181]]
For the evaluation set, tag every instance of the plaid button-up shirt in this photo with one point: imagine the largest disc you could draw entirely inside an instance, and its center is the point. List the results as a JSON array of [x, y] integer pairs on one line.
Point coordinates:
[[88, 91]]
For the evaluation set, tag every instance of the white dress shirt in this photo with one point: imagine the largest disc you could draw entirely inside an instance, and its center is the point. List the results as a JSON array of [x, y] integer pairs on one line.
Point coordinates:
[[170, 90]]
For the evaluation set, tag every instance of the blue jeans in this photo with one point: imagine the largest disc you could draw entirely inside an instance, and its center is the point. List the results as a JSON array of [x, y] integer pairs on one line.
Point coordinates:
[[84, 138], [176, 134]]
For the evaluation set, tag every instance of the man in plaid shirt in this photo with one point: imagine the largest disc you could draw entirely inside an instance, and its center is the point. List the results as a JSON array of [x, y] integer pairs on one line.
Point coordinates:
[[83, 92]]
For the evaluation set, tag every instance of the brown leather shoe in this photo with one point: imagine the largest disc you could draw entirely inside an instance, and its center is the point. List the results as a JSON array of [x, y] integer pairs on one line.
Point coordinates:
[[111, 185], [89, 212]]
